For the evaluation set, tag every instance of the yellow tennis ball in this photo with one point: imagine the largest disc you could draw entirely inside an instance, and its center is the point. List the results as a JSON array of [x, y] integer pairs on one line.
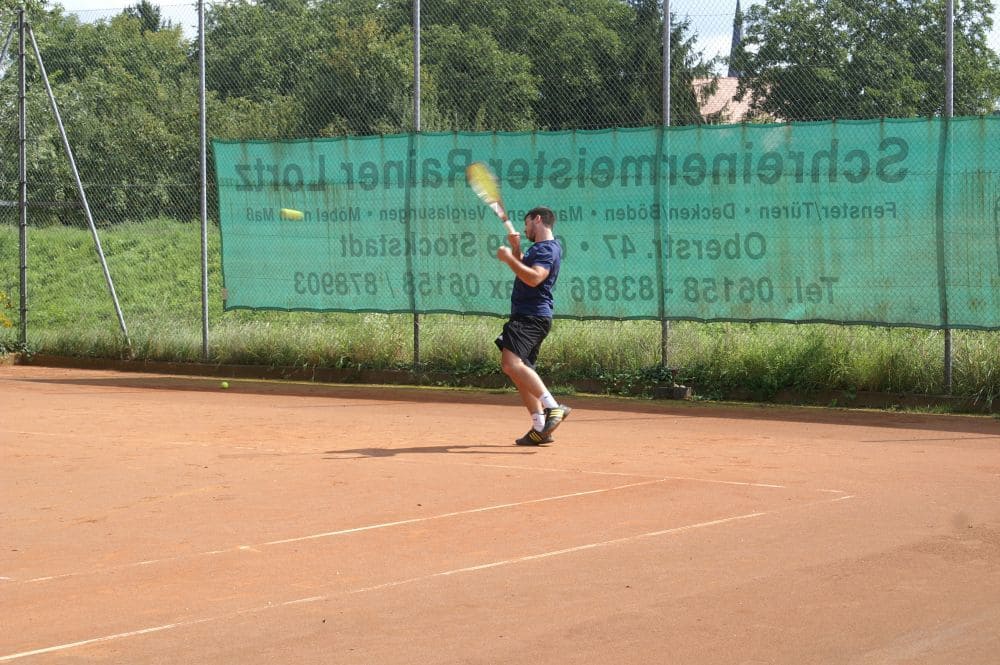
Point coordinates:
[[224, 385], [289, 213]]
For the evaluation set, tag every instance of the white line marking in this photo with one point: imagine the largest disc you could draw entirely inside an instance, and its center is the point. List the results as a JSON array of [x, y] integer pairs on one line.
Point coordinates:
[[596, 473], [106, 638], [568, 550], [157, 629], [445, 573], [371, 527], [546, 469], [459, 512], [344, 532], [724, 482], [29, 433], [303, 601]]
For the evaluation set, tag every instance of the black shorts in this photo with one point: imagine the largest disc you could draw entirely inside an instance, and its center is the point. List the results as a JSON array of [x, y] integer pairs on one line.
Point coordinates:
[[524, 335]]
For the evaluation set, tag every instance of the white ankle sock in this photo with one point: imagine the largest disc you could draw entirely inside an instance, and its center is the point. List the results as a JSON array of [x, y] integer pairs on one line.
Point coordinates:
[[538, 421], [547, 401]]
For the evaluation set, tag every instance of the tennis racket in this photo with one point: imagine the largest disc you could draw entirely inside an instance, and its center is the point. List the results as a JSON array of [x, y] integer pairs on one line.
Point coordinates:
[[484, 183]]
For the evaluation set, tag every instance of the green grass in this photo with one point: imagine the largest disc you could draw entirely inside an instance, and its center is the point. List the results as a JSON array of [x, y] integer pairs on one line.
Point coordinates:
[[156, 268]]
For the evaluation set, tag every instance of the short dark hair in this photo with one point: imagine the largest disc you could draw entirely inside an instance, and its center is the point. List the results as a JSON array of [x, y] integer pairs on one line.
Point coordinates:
[[548, 217]]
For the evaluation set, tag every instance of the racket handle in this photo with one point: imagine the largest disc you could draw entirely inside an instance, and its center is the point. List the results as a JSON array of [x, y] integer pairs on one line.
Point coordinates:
[[510, 227]]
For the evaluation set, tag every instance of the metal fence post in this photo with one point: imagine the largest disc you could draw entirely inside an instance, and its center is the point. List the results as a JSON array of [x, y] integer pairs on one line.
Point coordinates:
[[416, 128], [203, 130], [664, 323], [949, 110], [22, 177]]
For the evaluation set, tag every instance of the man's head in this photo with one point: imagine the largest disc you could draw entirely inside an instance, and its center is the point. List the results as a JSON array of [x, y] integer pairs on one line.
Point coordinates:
[[538, 224], [548, 218]]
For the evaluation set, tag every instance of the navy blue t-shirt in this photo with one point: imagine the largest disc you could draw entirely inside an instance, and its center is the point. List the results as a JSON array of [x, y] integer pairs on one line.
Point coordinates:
[[537, 301]]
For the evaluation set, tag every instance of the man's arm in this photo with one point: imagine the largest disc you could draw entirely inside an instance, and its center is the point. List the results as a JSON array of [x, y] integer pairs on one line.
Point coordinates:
[[530, 275]]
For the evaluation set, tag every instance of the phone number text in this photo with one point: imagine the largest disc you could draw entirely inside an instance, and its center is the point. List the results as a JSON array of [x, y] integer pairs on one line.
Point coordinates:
[[596, 288]]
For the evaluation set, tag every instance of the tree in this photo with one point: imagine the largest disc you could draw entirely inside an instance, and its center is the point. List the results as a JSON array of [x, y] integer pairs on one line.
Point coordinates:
[[255, 49], [644, 104], [148, 15], [346, 66], [9, 8], [806, 60], [476, 85], [580, 61], [359, 84], [127, 99], [596, 63]]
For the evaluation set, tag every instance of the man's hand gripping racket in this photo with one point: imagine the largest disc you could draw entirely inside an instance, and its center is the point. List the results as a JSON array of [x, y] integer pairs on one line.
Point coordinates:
[[484, 183]]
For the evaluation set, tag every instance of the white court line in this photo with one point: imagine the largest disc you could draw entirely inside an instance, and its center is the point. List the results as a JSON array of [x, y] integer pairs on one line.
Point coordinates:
[[596, 473], [568, 550], [385, 525], [514, 467], [344, 532], [724, 482], [387, 585], [106, 638], [15, 431], [464, 512]]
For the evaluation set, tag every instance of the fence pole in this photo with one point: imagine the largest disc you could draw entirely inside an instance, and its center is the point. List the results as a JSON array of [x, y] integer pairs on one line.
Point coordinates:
[[22, 177], [416, 128], [949, 110], [664, 323], [203, 130]]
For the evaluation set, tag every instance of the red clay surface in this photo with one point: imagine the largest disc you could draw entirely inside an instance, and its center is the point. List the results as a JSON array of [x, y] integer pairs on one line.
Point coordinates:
[[157, 519]]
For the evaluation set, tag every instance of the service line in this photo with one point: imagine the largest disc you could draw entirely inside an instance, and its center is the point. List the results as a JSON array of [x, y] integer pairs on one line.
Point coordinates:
[[344, 532], [412, 580]]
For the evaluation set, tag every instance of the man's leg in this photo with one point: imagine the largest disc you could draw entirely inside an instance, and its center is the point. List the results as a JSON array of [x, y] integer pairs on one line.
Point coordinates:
[[529, 385]]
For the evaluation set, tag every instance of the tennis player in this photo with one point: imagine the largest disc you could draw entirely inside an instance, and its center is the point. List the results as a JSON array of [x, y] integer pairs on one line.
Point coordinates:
[[531, 309]]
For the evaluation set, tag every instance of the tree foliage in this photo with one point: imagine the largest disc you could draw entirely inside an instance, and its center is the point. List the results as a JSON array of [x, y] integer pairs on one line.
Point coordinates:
[[358, 84], [349, 64], [806, 60], [127, 96], [475, 83], [149, 15], [257, 48]]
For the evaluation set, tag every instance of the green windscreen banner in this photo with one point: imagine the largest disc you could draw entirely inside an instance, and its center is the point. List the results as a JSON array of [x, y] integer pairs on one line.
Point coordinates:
[[887, 222]]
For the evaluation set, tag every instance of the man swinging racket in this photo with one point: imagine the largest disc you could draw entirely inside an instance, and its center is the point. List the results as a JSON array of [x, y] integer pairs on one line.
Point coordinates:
[[531, 309]]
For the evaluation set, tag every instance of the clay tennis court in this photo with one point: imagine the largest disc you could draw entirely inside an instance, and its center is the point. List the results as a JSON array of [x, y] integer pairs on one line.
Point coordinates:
[[161, 519]]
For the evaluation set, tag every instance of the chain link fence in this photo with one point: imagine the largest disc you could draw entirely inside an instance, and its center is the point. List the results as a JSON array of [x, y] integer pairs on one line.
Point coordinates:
[[126, 82]]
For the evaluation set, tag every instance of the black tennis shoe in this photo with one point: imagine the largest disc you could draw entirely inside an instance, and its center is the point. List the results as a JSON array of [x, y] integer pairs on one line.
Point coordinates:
[[554, 416], [534, 438]]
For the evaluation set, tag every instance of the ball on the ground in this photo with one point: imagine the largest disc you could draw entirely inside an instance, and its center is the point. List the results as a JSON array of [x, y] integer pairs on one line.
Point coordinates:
[[224, 385]]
